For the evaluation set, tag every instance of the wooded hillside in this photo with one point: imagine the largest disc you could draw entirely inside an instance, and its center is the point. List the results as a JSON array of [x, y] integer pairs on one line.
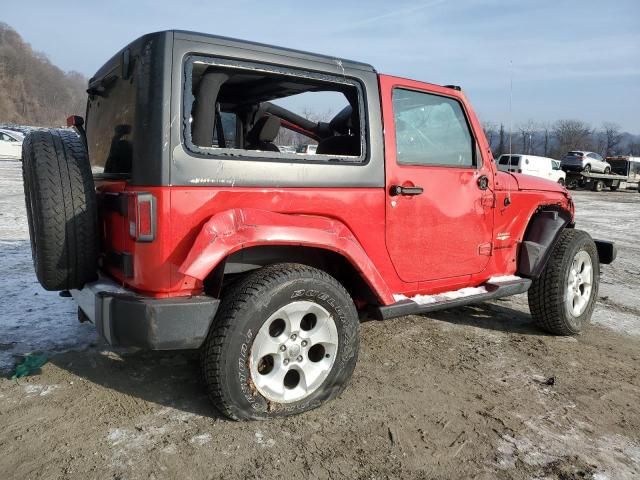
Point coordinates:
[[33, 91]]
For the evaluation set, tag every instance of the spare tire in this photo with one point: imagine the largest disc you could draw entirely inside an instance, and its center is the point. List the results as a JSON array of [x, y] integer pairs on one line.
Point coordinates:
[[61, 208]]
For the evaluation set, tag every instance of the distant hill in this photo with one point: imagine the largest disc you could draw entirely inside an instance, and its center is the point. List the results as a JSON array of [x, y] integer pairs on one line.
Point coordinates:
[[33, 91]]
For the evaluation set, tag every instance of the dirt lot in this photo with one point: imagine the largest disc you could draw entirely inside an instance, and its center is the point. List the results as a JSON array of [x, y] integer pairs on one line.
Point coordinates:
[[458, 394]]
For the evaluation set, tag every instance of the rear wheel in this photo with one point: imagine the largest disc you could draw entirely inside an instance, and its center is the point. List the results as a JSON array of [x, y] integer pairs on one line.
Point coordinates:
[[607, 170], [285, 340], [562, 299], [597, 186], [587, 169]]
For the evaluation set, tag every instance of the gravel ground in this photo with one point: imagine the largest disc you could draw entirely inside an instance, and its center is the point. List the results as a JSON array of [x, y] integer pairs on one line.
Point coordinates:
[[456, 394]]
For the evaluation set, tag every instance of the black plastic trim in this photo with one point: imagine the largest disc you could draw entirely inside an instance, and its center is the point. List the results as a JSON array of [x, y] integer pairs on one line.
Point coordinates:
[[155, 324], [123, 261], [541, 236], [607, 251], [409, 307], [114, 202]]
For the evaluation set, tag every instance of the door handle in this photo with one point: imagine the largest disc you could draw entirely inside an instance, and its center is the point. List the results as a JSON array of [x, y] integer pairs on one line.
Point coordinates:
[[400, 190]]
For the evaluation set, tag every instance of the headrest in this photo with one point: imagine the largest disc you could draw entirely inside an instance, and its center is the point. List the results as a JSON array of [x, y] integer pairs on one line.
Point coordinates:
[[265, 130]]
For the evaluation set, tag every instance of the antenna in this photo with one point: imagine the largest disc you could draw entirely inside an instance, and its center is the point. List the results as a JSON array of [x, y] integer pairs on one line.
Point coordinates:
[[507, 200]]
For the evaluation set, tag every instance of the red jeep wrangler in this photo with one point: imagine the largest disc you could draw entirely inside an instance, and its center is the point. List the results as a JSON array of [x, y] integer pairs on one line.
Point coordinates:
[[185, 218]]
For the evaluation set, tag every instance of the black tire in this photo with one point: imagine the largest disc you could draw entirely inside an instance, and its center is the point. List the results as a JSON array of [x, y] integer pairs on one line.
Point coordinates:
[[561, 181], [225, 356], [597, 186], [547, 293], [587, 169], [607, 171], [61, 208]]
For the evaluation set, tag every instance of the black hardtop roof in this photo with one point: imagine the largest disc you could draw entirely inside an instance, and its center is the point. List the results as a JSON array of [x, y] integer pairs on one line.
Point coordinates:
[[210, 39], [256, 46]]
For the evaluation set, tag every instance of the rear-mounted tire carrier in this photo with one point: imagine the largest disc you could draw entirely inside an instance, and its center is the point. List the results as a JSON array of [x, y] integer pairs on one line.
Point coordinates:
[[61, 208]]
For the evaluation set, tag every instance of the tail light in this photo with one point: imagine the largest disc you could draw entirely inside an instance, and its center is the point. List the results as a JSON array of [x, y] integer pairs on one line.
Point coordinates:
[[142, 216]]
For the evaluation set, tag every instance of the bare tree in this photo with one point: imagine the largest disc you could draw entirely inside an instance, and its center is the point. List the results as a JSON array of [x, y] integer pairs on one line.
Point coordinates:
[[501, 141], [491, 132], [612, 138], [528, 136], [634, 149], [572, 135], [545, 134]]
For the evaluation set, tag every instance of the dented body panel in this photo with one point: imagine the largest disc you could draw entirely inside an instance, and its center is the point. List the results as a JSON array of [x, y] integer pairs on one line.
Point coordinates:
[[466, 227]]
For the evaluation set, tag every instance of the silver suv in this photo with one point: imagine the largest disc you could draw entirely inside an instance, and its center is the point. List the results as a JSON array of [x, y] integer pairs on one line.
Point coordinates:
[[581, 161]]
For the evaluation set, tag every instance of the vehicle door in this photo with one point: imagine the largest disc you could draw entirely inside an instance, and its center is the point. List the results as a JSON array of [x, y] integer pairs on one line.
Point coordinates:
[[440, 200], [596, 162], [530, 166], [6, 148]]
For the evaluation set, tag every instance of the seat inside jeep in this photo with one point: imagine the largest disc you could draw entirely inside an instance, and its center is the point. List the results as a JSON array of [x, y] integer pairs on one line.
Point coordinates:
[[241, 108]]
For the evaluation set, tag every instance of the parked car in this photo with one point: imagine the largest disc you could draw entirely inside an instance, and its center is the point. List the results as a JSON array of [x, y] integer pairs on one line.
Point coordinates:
[[265, 260], [542, 167], [582, 161], [10, 144], [311, 148]]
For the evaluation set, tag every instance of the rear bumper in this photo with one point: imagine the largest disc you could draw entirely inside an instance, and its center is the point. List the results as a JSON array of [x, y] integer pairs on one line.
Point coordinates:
[[129, 320], [572, 168]]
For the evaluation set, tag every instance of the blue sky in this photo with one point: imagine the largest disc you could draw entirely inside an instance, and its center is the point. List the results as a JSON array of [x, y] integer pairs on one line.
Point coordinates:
[[570, 59]]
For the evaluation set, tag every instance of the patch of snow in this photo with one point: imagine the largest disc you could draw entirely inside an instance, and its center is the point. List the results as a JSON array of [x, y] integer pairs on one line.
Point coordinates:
[[34, 389], [546, 439], [202, 439], [269, 442], [463, 292], [31, 319], [440, 297], [503, 279], [118, 436], [621, 322]]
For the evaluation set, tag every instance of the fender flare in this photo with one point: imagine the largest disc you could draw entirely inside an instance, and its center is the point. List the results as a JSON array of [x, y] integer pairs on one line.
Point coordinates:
[[540, 237], [235, 229]]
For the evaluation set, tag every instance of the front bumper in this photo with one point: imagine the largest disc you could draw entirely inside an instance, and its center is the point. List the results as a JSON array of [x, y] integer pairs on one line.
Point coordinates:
[[126, 319]]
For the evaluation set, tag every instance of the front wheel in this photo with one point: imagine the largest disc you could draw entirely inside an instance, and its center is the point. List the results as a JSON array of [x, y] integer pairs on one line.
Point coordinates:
[[561, 181], [562, 299], [285, 340], [587, 169], [607, 170]]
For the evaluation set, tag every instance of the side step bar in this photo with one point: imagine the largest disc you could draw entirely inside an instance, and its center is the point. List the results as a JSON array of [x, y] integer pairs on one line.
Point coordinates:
[[493, 290]]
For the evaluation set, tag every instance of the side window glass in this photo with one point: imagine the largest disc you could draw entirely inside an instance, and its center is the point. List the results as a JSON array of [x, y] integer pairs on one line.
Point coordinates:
[[244, 110], [431, 130]]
